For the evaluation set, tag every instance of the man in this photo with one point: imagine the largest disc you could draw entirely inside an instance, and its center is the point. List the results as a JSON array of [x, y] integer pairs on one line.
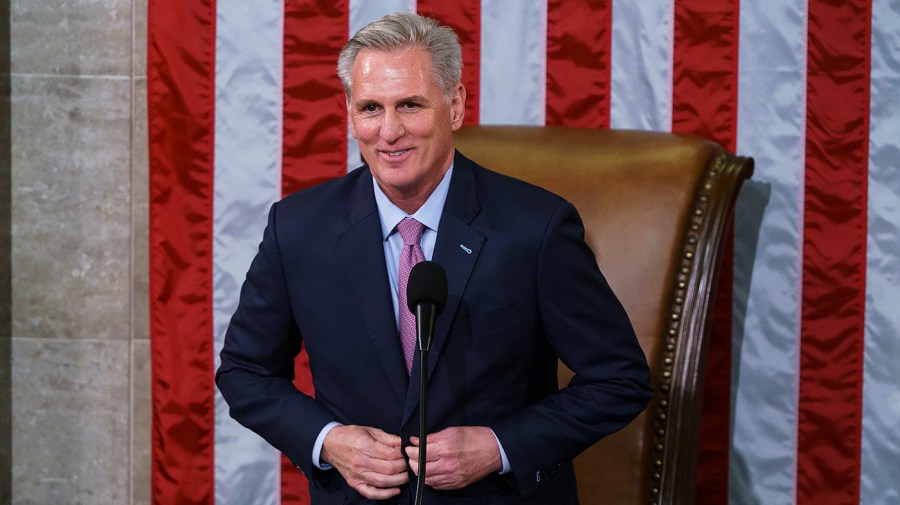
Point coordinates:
[[524, 289]]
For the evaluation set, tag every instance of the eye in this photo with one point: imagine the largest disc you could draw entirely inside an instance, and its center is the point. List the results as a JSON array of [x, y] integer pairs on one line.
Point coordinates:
[[409, 105], [368, 107]]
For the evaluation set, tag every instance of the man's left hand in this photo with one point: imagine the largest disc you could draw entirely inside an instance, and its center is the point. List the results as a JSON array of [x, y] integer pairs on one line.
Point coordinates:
[[457, 456]]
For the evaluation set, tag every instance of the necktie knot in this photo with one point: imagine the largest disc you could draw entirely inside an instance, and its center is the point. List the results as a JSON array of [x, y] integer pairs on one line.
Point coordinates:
[[410, 230]]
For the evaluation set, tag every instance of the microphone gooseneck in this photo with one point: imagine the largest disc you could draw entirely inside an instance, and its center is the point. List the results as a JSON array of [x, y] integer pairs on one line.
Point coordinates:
[[426, 295]]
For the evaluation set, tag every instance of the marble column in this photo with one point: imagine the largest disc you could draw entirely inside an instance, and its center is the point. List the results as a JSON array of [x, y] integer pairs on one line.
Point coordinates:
[[77, 253], [5, 265]]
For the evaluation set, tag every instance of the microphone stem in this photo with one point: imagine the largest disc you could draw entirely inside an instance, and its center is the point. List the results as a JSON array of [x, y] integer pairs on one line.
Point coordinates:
[[423, 410]]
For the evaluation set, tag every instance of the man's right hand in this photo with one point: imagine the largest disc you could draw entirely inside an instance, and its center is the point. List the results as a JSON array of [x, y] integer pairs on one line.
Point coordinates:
[[369, 459]]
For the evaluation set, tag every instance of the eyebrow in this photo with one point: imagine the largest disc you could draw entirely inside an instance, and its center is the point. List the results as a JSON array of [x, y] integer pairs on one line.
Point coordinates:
[[412, 98]]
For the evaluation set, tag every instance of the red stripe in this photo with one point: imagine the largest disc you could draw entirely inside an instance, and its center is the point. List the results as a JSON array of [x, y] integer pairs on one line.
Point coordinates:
[[315, 136], [705, 57], [464, 16], [715, 426], [315, 111], [180, 84], [705, 104], [834, 253], [579, 38]]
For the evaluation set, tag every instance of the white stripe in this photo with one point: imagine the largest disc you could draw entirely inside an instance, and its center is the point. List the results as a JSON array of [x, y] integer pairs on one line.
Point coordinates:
[[513, 62], [248, 132], [363, 12], [881, 380], [768, 252], [641, 83]]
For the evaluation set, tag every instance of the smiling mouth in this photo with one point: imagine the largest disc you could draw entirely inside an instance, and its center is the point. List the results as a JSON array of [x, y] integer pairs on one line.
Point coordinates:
[[395, 154]]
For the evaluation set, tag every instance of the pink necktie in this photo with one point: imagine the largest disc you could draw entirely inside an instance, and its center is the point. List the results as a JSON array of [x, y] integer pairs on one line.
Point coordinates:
[[411, 231]]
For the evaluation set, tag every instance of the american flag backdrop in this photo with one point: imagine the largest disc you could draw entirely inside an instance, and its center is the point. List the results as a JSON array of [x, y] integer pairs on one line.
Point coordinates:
[[803, 400]]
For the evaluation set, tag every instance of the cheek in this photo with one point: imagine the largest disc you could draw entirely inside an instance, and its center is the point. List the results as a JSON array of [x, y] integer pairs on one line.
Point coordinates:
[[365, 129], [421, 126]]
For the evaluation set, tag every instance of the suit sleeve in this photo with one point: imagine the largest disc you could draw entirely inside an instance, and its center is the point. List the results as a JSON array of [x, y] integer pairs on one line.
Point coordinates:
[[588, 328], [257, 360]]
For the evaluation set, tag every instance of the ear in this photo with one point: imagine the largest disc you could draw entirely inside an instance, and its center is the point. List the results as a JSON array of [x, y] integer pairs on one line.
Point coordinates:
[[458, 107], [350, 116]]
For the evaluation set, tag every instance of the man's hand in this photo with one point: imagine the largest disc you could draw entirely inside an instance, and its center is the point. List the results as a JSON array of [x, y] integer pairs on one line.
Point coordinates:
[[457, 457], [369, 459]]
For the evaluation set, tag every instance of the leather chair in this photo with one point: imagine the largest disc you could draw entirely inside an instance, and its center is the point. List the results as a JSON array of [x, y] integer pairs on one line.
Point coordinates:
[[656, 208]]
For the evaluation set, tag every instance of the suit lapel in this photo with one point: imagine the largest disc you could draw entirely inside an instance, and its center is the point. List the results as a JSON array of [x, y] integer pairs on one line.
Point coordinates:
[[362, 257], [457, 249]]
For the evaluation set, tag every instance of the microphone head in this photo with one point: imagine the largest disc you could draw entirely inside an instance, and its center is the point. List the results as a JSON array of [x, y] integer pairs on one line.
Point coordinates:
[[427, 284]]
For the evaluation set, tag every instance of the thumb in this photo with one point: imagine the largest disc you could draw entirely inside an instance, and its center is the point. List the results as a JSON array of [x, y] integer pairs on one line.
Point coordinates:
[[385, 438], [412, 453]]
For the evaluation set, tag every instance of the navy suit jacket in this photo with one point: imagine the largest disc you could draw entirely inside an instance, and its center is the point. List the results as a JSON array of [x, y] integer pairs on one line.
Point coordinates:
[[524, 289]]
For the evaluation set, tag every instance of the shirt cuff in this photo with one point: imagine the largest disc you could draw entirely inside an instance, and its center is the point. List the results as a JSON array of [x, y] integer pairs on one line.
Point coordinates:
[[320, 441], [506, 467]]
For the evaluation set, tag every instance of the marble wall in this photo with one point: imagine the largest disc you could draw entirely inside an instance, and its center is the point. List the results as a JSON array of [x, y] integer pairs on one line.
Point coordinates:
[[78, 324], [5, 265]]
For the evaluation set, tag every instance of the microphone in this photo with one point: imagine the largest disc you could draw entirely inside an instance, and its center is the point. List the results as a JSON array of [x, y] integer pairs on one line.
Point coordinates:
[[426, 295]]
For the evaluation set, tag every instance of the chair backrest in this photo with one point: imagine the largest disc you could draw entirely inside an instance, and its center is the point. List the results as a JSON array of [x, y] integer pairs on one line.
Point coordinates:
[[656, 207]]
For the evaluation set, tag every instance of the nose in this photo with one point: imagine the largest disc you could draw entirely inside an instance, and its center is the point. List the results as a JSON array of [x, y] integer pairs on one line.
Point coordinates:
[[392, 126]]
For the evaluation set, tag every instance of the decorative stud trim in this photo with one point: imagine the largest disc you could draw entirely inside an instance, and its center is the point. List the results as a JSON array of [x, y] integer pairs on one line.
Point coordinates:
[[687, 264]]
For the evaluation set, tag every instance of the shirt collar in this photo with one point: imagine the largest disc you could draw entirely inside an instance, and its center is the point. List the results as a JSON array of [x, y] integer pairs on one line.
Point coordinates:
[[429, 214]]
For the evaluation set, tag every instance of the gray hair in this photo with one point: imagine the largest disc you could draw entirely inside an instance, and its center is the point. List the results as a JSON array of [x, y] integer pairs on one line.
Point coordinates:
[[405, 30]]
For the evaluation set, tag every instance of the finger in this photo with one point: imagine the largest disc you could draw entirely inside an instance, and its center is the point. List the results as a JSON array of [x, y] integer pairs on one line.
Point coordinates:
[[431, 437], [379, 467], [384, 453], [371, 457], [377, 493], [381, 480], [380, 450], [385, 437], [412, 452], [441, 476]]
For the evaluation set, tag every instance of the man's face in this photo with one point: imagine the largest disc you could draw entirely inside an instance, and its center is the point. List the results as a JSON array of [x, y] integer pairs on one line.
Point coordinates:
[[402, 122]]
